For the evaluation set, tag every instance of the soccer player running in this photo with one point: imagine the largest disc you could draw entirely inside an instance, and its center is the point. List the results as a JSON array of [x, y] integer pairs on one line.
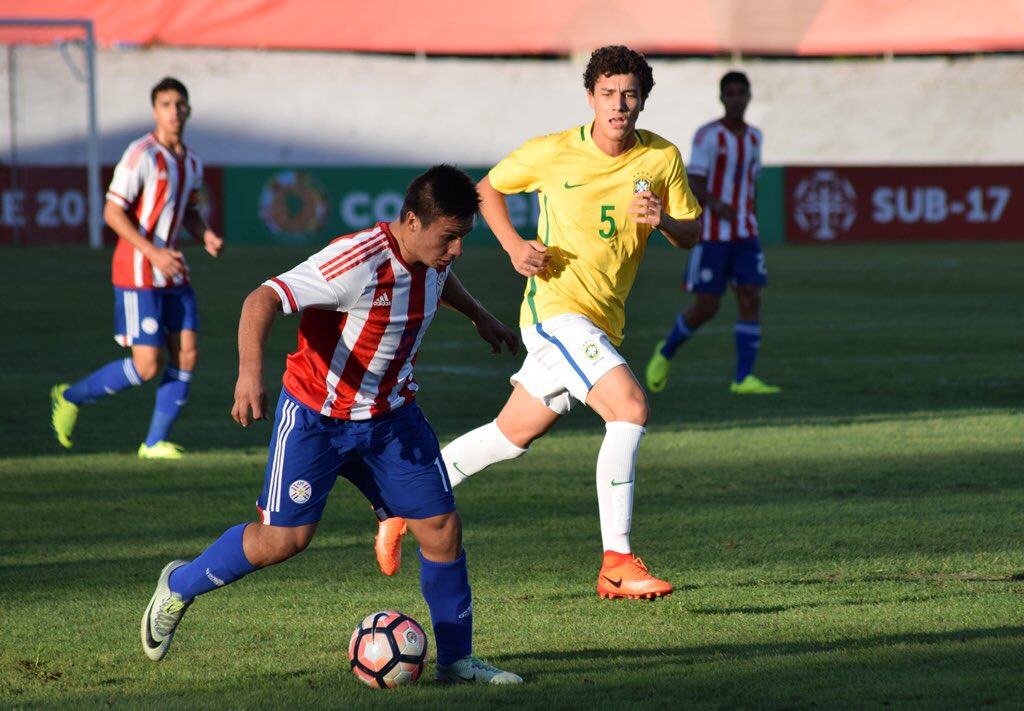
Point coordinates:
[[348, 409], [154, 192], [603, 188], [723, 167]]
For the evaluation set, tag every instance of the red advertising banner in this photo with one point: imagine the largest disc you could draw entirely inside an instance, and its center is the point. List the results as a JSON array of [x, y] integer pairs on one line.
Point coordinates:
[[930, 203], [50, 205]]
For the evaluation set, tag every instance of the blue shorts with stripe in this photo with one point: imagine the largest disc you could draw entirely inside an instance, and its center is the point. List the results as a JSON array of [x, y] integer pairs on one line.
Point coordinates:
[[713, 265], [396, 454], [144, 317]]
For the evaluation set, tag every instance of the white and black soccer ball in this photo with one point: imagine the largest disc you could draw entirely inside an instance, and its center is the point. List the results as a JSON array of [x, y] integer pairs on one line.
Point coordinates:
[[388, 649]]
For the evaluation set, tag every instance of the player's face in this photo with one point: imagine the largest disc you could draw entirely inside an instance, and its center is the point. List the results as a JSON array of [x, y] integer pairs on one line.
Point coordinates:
[[171, 111], [617, 104], [438, 244], [735, 97]]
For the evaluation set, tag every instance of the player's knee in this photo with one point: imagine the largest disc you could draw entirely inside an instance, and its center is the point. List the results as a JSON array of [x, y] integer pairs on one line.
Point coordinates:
[[703, 310], [278, 544], [147, 366], [748, 300], [633, 410], [186, 359], [440, 537]]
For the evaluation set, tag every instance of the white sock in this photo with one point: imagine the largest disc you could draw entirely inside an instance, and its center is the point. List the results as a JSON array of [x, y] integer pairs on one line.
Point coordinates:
[[476, 450], [616, 468]]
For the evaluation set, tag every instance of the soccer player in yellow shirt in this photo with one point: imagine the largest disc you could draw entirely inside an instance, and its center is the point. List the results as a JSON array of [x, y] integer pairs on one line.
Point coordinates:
[[603, 188]]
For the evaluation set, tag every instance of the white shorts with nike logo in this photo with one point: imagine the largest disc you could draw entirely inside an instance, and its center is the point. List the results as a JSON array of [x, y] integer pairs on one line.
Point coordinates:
[[566, 356]]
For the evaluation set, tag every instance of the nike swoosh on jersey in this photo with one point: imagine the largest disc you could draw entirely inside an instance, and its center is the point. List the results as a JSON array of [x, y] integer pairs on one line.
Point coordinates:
[[570, 187]]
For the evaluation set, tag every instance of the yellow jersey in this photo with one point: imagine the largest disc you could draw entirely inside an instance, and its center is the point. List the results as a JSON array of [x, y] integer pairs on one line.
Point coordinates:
[[584, 196]]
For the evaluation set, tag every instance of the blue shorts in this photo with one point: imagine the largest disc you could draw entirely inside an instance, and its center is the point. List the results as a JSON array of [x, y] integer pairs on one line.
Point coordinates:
[[144, 317], [715, 264], [396, 454]]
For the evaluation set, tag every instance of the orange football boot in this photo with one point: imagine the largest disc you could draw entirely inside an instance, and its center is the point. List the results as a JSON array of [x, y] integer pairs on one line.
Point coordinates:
[[624, 575], [388, 544]]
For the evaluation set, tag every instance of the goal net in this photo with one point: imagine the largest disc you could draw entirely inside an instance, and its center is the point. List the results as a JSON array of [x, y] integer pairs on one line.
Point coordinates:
[[49, 148]]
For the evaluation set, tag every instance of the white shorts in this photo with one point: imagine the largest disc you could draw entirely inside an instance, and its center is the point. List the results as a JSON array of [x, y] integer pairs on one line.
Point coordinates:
[[566, 356]]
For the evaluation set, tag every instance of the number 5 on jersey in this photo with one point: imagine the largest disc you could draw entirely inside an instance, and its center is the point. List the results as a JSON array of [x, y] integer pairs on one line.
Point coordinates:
[[606, 217]]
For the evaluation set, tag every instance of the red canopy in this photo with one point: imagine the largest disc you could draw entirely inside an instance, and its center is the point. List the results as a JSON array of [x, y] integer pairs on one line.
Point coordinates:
[[786, 27]]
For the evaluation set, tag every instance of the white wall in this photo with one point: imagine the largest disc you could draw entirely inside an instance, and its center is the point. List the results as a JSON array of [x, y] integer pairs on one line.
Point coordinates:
[[300, 108]]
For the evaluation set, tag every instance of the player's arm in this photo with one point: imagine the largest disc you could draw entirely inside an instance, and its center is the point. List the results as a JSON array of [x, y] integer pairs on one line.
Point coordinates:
[[258, 313], [168, 262], [196, 224], [699, 186], [529, 257], [647, 208], [455, 296]]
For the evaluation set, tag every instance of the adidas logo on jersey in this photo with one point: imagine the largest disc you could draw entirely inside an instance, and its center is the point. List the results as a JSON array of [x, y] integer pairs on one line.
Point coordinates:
[[382, 300]]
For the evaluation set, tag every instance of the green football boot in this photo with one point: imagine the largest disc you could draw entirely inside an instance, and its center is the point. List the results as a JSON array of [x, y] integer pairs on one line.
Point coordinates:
[[63, 415]]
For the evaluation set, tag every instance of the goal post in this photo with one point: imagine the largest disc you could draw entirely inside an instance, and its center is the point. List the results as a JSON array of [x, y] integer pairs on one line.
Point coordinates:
[[26, 32]]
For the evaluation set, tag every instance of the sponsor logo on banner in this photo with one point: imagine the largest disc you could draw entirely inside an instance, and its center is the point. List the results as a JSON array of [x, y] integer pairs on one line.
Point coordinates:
[[931, 203], [824, 204], [50, 205], [293, 203]]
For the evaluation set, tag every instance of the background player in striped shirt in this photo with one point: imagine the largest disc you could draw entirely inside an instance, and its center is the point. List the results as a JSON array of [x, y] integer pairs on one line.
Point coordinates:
[[347, 408], [603, 188], [723, 169], [154, 192]]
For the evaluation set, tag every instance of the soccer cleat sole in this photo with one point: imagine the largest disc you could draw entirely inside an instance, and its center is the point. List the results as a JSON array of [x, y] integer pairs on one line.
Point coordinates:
[[604, 595]]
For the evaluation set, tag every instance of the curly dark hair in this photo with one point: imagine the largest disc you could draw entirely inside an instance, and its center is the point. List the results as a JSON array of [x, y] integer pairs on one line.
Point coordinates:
[[618, 59]]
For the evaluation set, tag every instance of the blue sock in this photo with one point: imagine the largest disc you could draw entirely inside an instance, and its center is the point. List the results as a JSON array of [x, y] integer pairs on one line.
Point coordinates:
[[171, 395], [679, 334], [446, 589], [222, 563], [112, 378], [748, 340]]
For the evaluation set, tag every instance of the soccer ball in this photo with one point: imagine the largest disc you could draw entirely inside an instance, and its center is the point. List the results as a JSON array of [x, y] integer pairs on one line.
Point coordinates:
[[388, 649]]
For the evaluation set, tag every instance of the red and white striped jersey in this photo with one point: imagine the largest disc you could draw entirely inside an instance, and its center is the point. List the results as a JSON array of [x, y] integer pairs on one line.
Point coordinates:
[[730, 164], [154, 186], [364, 314]]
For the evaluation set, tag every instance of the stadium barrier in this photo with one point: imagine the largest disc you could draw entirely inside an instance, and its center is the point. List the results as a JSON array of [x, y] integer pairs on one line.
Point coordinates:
[[286, 205]]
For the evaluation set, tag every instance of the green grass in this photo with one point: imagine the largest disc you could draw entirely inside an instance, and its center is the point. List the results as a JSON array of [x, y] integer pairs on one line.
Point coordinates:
[[852, 542]]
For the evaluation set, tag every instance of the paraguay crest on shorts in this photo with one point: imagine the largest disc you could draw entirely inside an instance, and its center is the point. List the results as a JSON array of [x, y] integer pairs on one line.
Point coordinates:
[[300, 491]]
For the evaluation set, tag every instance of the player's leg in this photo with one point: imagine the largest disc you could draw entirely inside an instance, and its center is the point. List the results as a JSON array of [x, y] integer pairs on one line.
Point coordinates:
[[181, 321], [403, 454], [136, 324], [705, 277], [523, 419], [620, 401], [301, 470], [749, 275]]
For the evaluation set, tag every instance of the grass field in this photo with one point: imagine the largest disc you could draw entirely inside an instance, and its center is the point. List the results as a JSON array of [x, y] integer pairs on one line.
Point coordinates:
[[854, 542]]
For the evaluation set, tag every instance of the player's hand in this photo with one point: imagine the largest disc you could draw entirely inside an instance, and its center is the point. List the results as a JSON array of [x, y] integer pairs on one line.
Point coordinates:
[[169, 262], [496, 333], [213, 243], [249, 397], [646, 208], [530, 257], [724, 210]]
